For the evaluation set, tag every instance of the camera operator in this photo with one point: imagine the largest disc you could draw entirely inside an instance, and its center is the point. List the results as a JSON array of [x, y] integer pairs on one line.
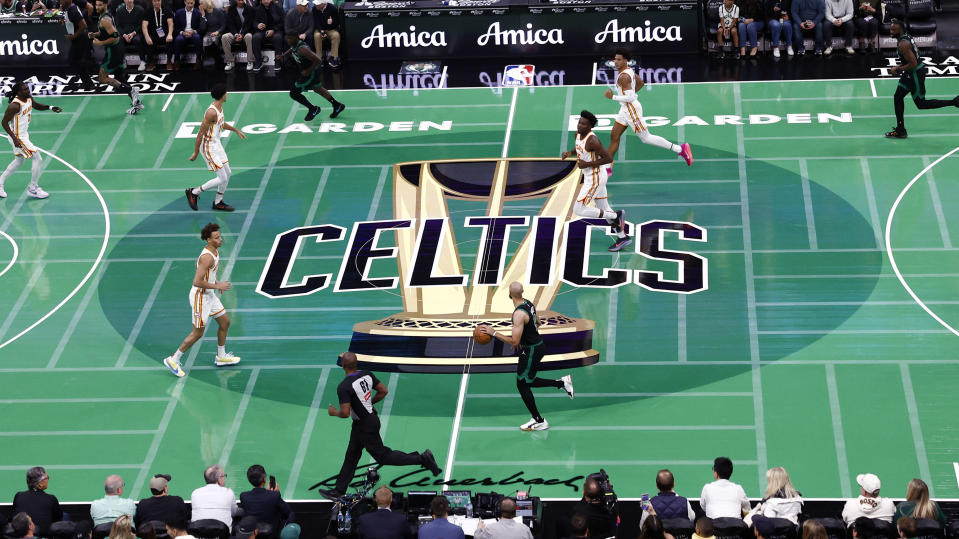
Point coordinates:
[[600, 516]]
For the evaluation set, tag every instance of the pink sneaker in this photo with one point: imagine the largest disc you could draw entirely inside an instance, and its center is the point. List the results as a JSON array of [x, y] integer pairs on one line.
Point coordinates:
[[686, 153]]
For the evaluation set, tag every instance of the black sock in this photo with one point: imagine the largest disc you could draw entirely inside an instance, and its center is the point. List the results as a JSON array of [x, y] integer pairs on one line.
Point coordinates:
[[301, 99], [528, 400]]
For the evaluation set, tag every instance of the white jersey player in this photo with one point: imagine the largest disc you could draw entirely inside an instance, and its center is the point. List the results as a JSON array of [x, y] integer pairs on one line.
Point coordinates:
[[631, 112], [204, 303], [592, 158], [208, 143], [16, 122]]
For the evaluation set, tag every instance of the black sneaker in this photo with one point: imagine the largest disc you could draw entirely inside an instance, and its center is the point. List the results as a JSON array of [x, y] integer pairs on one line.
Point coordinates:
[[620, 243], [429, 461], [191, 199], [312, 114], [330, 494], [897, 133], [337, 109], [222, 206], [956, 101]]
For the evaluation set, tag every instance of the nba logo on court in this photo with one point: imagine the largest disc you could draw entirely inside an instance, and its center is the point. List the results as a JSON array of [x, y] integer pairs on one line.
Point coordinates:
[[518, 75]]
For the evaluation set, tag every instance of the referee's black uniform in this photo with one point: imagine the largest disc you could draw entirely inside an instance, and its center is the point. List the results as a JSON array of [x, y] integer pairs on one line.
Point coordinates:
[[357, 389]]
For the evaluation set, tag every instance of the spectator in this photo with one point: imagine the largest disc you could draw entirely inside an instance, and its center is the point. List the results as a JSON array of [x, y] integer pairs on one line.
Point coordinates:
[[265, 504], [869, 504], [751, 23], [667, 504], [704, 529], [247, 528], [865, 528], [813, 529], [239, 28], [75, 26], [214, 500], [763, 527], [440, 528], [781, 499], [176, 527], [917, 504], [652, 528], [112, 506], [44, 509], [8, 7], [867, 25], [807, 16], [158, 34], [838, 15], [728, 24], [602, 523], [579, 525], [777, 17], [122, 528], [146, 531], [326, 24], [161, 506], [908, 527], [215, 25], [299, 21], [188, 27], [268, 26], [383, 523], [723, 498], [504, 527], [22, 525], [128, 19]]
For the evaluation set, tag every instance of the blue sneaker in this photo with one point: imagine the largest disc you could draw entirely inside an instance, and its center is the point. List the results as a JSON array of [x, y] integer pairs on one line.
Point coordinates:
[[620, 243]]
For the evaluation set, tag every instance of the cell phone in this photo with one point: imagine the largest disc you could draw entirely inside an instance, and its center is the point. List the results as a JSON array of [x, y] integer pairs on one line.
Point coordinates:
[[272, 482], [644, 502]]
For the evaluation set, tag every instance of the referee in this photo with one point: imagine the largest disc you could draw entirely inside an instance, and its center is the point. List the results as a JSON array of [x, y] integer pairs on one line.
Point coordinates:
[[912, 79], [356, 400], [525, 337]]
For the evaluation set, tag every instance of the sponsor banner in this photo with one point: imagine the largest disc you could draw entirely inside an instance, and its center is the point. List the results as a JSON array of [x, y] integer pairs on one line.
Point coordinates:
[[947, 67], [30, 41], [145, 83], [523, 32]]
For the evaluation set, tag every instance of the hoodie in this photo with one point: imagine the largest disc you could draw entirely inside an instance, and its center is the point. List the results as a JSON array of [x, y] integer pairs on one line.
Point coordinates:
[[878, 507], [788, 508], [838, 9]]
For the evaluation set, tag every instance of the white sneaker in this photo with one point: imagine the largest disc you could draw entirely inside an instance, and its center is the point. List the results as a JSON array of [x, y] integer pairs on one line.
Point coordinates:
[[776, 52], [249, 65], [226, 359], [568, 385], [789, 50], [533, 425], [228, 66], [37, 192], [142, 66], [850, 51], [135, 108], [174, 367], [3, 194], [828, 51]]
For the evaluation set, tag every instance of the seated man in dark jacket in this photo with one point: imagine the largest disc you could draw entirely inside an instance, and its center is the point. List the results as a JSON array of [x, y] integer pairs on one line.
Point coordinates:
[[265, 503], [239, 28], [161, 506], [667, 504], [269, 27], [189, 25], [44, 509], [383, 523]]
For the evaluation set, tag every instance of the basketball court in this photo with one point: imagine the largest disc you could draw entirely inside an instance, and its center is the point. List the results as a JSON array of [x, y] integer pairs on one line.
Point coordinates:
[[807, 350]]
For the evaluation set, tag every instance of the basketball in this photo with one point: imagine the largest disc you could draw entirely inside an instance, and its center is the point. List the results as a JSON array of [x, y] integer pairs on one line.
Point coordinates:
[[479, 336]]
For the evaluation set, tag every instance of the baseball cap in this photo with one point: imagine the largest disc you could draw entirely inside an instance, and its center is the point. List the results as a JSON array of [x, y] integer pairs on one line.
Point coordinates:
[[763, 525], [302, 2], [290, 531], [339, 361], [248, 525], [160, 481], [869, 482]]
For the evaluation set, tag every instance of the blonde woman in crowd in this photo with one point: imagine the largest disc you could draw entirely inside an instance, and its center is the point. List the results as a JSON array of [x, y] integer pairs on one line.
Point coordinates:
[[918, 505]]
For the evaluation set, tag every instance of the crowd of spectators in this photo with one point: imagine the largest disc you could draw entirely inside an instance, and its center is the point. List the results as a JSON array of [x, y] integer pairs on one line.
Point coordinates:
[[789, 22], [262, 512]]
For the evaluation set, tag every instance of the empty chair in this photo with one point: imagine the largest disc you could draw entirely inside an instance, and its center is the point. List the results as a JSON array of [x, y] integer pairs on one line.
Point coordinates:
[[731, 528], [920, 22], [679, 528]]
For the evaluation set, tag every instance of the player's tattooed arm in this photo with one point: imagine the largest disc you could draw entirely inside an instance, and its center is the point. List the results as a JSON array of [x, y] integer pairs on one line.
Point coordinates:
[[12, 110]]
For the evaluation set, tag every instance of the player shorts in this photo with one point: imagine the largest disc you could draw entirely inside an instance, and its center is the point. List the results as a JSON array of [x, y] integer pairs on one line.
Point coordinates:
[[529, 359], [631, 115], [307, 83], [214, 155], [28, 148], [594, 186], [914, 83], [203, 306], [113, 60]]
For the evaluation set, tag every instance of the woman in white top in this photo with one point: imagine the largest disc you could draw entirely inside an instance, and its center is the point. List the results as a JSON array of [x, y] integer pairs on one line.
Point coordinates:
[[781, 499]]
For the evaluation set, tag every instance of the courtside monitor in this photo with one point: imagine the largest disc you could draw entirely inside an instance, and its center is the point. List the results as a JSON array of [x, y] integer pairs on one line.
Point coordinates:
[[458, 499], [418, 501]]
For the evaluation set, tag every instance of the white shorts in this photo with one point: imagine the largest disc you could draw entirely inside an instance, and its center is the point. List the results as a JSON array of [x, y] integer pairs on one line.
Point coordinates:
[[28, 148], [593, 188], [203, 306], [631, 115], [214, 155]]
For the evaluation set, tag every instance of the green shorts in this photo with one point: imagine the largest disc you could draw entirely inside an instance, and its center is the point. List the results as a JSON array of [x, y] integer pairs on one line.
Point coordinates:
[[309, 82], [113, 61], [915, 82]]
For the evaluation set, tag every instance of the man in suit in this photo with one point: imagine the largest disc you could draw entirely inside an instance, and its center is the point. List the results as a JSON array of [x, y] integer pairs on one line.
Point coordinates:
[[188, 27], [384, 523], [440, 528], [239, 27], [264, 503]]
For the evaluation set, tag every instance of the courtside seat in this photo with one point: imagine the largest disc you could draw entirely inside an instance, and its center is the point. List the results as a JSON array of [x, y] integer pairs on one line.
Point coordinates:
[[784, 529], [921, 24], [885, 529], [930, 528], [209, 528], [160, 529], [100, 531], [835, 527], [731, 528], [679, 528]]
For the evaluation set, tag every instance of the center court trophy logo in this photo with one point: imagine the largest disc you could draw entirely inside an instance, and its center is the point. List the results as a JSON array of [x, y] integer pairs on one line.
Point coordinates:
[[440, 306]]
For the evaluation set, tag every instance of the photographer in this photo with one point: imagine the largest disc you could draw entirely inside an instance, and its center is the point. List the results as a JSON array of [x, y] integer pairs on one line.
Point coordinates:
[[601, 516]]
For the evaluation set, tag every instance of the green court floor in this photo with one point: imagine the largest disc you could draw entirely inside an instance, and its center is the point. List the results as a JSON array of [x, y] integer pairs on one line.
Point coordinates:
[[806, 351]]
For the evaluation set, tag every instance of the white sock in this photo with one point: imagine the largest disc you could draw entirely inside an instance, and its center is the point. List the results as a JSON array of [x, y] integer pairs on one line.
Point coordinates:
[[608, 213], [35, 170], [177, 355], [210, 184], [11, 168], [218, 198], [660, 142], [220, 350]]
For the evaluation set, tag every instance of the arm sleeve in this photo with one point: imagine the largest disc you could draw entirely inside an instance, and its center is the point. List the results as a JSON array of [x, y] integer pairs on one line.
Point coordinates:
[[629, 97], [689, 511], [847, 10], [284, 509], [829, 14], [746, 506], [376, 381], [57, 512], [794, 11], [820, 11], [342, 394]]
